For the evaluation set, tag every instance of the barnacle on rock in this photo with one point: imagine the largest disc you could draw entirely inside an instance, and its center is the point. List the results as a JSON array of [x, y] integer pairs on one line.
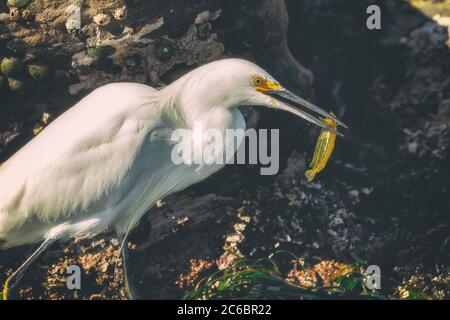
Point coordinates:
[[26, 14], [164, 49], [38, 72], [120, 13], [15, 85], [11, 66], [102, 19], [17, 3], [14, 14]]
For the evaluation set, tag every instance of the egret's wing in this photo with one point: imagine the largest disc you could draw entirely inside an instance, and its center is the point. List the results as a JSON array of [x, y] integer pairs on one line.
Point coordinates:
[[164, 175], [78, 158]]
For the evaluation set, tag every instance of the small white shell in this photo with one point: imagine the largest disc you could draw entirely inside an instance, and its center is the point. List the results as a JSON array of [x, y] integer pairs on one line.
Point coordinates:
[[14, 14]]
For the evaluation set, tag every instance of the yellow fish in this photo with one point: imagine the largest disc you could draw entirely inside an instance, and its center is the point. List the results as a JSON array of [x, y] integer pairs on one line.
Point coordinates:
[[324, 148]]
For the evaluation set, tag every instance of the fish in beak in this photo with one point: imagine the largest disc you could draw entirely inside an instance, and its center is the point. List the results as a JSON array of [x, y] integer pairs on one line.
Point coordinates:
[[285, 100]]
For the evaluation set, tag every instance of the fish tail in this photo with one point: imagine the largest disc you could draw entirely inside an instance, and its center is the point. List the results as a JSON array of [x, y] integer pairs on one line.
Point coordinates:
[[310, 174]]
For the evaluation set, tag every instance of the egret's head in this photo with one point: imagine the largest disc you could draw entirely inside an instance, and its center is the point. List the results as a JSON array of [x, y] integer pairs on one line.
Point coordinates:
[[235, 82]]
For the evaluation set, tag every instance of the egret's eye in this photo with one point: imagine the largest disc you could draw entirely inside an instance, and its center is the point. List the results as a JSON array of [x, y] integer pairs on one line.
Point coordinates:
[[257, 81]]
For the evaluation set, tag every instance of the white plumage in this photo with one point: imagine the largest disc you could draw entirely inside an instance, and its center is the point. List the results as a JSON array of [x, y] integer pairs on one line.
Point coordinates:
[[103, 162], [107, 160]]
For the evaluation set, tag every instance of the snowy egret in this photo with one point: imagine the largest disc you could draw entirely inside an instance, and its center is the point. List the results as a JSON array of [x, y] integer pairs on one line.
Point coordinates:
[[107, 160]]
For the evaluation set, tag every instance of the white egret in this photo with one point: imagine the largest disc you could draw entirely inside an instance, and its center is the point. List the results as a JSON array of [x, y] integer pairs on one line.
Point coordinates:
[[107, 160]]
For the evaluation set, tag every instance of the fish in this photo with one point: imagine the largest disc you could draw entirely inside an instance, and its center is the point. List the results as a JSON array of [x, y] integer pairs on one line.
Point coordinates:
[[324, 149]]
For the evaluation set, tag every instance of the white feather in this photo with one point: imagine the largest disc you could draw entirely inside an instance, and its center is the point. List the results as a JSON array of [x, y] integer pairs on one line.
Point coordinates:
[[106, 161]]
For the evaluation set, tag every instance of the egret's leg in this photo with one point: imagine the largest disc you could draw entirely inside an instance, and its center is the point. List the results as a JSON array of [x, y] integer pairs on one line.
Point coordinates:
[[128, 279], [13, 279]]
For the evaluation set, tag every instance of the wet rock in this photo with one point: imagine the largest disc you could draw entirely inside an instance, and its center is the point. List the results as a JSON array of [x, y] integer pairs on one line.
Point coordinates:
[[16, 86], [38, 72], [101, 52], [11, 66], [211, 53], [82, 62], [164, 49], [8, 134], [17, 3]]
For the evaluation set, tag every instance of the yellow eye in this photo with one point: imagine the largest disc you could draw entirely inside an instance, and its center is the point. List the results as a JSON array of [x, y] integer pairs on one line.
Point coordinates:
[[257, 81]]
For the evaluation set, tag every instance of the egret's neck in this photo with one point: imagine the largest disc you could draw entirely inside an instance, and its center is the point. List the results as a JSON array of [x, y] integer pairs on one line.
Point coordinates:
[[188, 110]]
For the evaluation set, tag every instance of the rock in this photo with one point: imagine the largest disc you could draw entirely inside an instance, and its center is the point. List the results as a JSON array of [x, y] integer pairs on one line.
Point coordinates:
[[412, 147], [17, 3], [11, 66], [15, 85], [164, 49], [4, 17], [444, 108], [81, 61], [38, 72], [211, 53]]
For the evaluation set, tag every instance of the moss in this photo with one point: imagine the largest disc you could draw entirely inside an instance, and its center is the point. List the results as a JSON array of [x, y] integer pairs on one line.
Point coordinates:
[[100, 52], [11, 66]]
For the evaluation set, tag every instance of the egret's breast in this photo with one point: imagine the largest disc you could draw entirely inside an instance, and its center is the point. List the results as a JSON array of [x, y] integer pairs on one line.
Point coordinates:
[[159, 176]]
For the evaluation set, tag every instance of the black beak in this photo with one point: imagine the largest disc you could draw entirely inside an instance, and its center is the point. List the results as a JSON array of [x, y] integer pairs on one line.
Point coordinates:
[[292, 103]]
